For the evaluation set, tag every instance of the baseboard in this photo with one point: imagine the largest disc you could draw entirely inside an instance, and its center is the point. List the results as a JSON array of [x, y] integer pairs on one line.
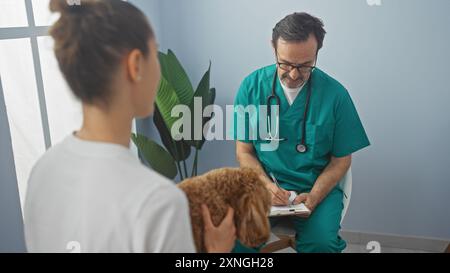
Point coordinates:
[[397, 241]]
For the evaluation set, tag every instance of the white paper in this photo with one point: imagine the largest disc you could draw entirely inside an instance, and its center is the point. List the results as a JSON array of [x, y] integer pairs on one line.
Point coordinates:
[[300, 209]]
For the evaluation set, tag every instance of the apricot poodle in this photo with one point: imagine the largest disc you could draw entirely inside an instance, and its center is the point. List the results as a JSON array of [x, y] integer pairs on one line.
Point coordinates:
[[239, 188]]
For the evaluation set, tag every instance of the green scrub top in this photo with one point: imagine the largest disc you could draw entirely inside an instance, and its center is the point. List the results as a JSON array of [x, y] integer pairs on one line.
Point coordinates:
[[333, 127]]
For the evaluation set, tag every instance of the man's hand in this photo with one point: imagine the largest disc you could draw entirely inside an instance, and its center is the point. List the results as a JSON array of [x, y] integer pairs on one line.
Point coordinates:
[[280, 197], [245, 154], [220, 239], [325, 183], [308, 199]]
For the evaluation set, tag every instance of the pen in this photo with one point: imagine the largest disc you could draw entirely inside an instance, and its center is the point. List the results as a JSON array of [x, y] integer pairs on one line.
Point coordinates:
[[278, 185], [275, 181]]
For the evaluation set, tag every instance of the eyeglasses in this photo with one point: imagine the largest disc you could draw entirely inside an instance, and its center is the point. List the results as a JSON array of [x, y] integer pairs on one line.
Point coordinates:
[[303, 69]]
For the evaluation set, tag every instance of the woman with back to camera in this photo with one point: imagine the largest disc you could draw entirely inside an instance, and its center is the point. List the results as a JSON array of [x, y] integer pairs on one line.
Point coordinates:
[[90, 188]]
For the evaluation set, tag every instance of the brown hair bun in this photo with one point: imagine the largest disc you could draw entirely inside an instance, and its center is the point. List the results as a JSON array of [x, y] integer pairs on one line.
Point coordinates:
[[90, 40]]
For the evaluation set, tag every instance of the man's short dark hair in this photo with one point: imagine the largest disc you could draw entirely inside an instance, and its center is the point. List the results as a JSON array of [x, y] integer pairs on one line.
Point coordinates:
[[297, 27]]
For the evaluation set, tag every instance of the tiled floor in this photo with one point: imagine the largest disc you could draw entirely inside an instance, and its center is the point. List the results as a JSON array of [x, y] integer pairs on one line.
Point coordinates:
[[355, 248], [352, 248], [362, 249]]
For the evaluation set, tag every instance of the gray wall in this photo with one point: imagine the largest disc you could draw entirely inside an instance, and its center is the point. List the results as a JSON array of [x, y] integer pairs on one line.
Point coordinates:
[[392, 58]]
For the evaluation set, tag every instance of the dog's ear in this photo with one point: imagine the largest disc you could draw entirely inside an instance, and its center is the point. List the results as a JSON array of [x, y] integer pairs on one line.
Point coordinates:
[[253, 226]]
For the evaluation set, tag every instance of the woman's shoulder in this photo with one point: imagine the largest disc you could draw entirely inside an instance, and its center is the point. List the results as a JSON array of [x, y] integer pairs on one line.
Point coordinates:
[[113, 170]]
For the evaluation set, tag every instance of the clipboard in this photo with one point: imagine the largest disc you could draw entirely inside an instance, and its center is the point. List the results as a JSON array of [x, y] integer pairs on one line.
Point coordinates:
[[297, 210]]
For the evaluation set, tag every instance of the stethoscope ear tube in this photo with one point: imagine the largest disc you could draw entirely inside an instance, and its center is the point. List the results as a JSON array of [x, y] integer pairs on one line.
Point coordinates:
[[302, 147], [273, 95]]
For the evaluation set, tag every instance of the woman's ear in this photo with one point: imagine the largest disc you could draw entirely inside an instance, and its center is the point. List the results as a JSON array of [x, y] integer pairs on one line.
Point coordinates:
[[134, 65]]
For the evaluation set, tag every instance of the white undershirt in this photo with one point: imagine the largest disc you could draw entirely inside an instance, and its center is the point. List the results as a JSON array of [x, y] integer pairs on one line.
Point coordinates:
[[100, 196], [291, 93]]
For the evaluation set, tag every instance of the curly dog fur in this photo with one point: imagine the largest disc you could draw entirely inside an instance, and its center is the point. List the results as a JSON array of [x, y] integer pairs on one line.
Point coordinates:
[[239, 188]]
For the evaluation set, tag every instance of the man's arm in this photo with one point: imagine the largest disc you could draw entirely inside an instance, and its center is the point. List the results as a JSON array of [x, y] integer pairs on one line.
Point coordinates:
[[326, 181], [245, 155]]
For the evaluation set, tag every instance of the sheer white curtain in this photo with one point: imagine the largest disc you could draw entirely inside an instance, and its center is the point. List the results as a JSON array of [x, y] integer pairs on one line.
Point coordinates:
[[22, 106]]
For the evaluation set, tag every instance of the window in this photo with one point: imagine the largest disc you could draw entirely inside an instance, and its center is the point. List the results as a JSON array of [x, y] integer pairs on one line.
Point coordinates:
[[42, 14], [22, 105], [13, 14], [61, 104], [22, 87]]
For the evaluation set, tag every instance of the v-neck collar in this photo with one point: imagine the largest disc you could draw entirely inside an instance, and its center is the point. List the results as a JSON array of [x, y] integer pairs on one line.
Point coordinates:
[[297, 105]]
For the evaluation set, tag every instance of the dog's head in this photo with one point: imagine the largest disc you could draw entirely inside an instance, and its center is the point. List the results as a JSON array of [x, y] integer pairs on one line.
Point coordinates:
[[252, 209], [239, 188]]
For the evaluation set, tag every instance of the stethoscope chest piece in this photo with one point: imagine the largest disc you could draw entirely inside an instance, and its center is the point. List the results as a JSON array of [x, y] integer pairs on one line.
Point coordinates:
[[301, 148]]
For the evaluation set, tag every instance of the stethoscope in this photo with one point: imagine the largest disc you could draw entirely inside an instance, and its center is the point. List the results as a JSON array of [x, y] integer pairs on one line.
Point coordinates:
[[301, 147]]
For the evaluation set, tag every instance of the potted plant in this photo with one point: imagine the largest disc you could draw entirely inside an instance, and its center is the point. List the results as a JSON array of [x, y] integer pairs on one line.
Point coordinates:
[[174, 89]]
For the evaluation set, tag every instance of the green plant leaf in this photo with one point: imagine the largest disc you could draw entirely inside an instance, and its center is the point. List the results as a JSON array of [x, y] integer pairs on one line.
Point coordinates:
[[203, 88], [212, 96], [174, 147], [174, 89], [208, 97], [176, 76], [163, 64], [166, 100], [156, 156]]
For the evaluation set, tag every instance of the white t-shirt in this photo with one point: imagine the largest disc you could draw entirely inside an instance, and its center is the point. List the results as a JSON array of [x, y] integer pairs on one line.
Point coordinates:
[[291, 93], [97, 197]]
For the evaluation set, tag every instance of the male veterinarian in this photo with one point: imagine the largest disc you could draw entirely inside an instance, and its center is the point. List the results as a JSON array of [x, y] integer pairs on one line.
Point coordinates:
[[319, 130]]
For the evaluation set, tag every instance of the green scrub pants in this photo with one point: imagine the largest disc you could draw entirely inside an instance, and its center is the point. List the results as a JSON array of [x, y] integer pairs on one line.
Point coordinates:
[[317, 234]]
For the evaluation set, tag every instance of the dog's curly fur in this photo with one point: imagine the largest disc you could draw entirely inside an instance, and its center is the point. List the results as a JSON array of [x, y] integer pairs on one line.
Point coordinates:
[[239, 188]]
